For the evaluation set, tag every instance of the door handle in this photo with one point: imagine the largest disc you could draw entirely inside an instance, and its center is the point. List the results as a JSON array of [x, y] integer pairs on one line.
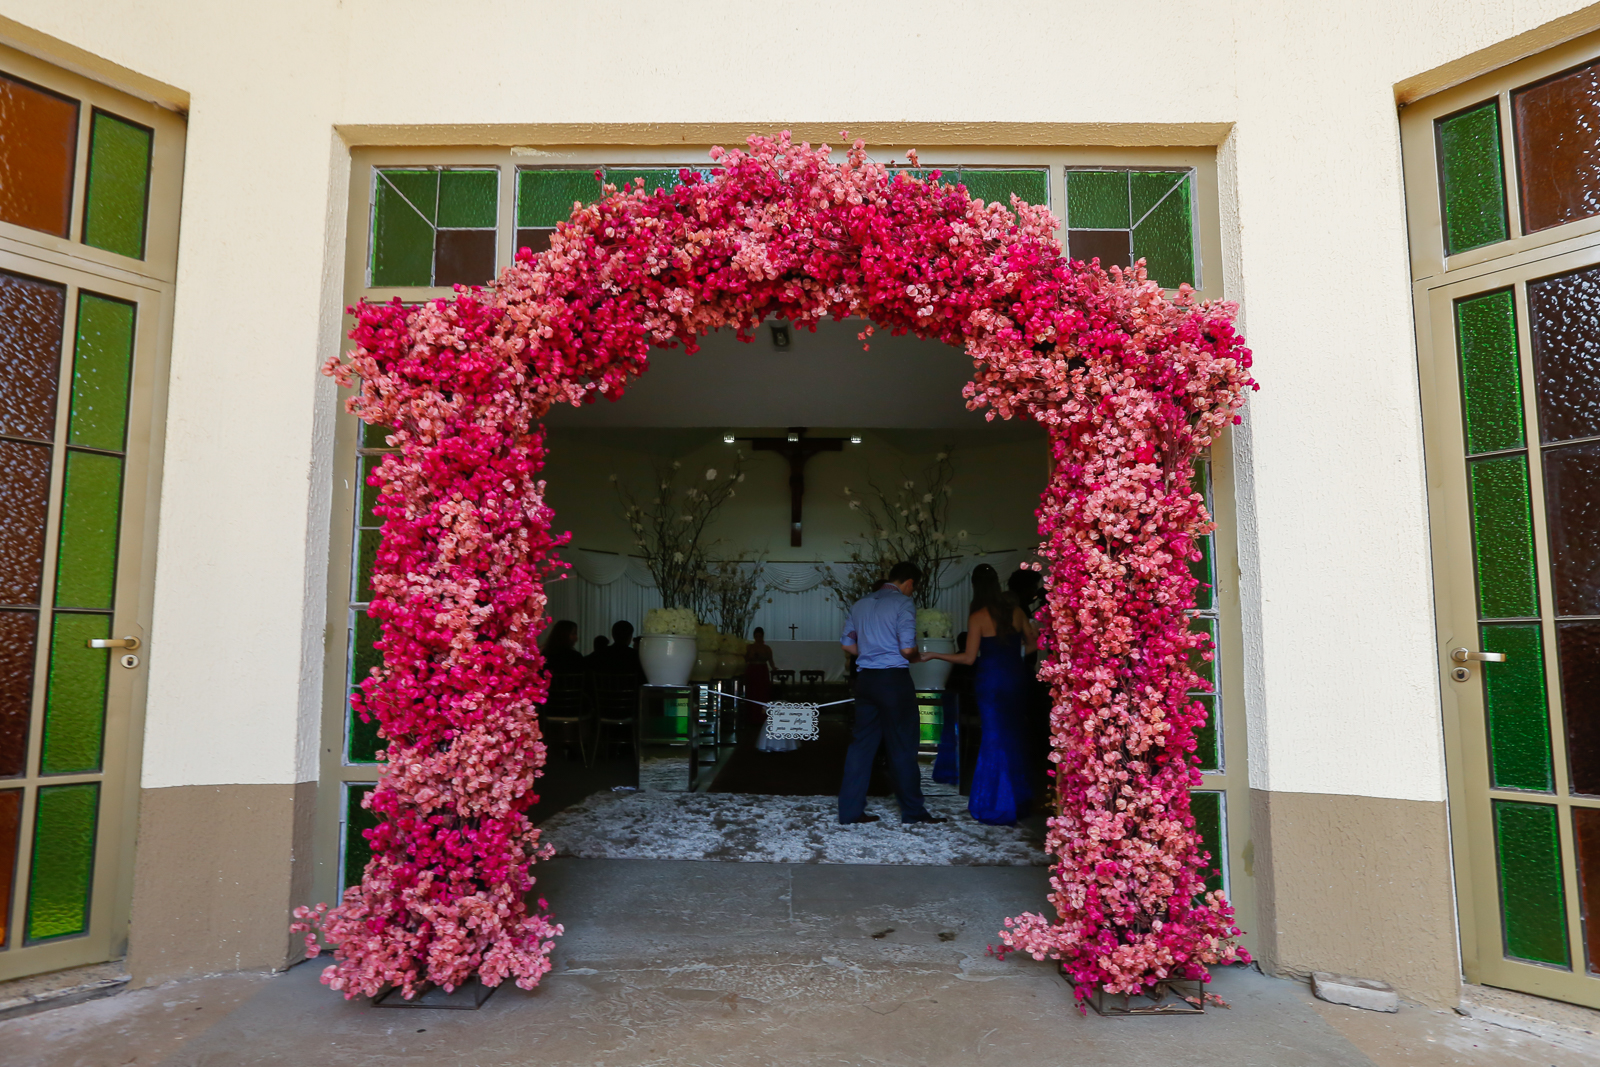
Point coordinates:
[[129, 643], [1462, 655]]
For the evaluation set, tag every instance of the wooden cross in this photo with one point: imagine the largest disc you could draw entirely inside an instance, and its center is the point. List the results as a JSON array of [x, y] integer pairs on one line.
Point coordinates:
[[796, 448], [793, 626]]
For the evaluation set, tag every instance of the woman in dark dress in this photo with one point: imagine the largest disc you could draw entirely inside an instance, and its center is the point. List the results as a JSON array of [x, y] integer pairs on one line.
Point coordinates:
[[999, 637]]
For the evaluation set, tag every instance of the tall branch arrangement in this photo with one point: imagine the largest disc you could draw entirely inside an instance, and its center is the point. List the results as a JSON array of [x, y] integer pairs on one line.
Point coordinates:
[[670, 529], [910, 522], [1130, 383], [737, 587]]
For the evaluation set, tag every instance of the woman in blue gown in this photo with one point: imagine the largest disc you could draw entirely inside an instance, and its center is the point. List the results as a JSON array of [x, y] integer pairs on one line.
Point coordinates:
[[999, 638]]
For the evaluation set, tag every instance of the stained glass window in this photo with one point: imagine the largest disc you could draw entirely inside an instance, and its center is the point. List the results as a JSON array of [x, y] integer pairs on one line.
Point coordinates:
[[116, 199], [434, 225], [1472, 185], [1557, 124], [38, 148], [1120, 216]]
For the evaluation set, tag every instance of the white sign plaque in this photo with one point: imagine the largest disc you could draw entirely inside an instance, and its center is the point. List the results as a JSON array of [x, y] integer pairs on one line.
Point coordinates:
[[792, 722]]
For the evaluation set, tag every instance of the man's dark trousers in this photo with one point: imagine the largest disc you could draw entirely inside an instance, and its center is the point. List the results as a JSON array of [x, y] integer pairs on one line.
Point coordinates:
[[886, 711]]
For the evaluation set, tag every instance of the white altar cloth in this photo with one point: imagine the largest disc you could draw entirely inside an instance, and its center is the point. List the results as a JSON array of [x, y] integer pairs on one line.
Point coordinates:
[[800, 656]]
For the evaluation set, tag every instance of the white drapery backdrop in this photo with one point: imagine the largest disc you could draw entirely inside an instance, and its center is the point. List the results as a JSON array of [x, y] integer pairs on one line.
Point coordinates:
[[604, 587]]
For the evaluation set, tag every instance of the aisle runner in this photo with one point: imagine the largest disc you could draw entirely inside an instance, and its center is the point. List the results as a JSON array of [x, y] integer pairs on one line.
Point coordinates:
[[653, 824]]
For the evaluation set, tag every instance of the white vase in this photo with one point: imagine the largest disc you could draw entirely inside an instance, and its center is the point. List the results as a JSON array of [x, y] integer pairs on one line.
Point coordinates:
[[932, 673], [666, 658], [705, 666]]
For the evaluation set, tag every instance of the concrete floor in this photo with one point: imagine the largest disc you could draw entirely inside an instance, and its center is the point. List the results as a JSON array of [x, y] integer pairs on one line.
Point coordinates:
[[692, 963]]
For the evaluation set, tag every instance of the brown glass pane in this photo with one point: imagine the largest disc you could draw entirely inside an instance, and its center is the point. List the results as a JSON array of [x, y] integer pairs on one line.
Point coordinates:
[[1558, 148], [38, 145], [19, 632], [1565, 314], [536, 240], [30, 355], [1578, 646], [1572, 505], [24, 499], [10, 833], [1110, 247], [463, 257], [1586, 838]]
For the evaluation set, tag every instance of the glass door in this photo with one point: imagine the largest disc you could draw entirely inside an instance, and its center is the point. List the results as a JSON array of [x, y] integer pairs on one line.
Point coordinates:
[[75, 475], [1514, 442]]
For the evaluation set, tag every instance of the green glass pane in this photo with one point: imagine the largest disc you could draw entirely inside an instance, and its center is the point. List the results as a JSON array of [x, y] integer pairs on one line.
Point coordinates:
[[469, 198], [1165, 238], [654, 177], [404, 203], [1533, 907], [1472, 185], [117, 195], [1203, 569], [1146, 188], [1207, 809], [375, 436], [63, 860], [363, 657], [1206, 669], [86, 560], [1097, 200], [545, 197], [367, 495], [1514, 702], [1502, 537], [947, 175], [1491, 380], [1208, 750], [75, 708], [102, 362], [367, 542], [356, 819], [997, 186]]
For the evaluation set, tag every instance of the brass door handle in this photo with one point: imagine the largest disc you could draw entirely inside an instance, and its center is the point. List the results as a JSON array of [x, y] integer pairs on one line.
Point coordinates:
[[129, 643], [1462, 655]]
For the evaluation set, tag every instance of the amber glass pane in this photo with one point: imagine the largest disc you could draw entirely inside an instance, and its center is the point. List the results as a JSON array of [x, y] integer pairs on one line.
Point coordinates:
[[63, 859], [102, 363], [535, 241], [1558, 148], [1533, 907], [86, 565], [463, 257], [38, 146], [1502, 537], [1578, 649], [10, 835], [1113, 248], [1206, 807], [1564, 312], [118, 191], [1514, 702], [30, 359], [1472, 182], [19, 632], [1586, 839], [357, 820], [1491, 378], [75, 707], [1572, 503], [24, 502]]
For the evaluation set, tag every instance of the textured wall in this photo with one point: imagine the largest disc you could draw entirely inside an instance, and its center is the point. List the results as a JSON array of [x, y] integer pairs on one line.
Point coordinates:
[[1302, 95]]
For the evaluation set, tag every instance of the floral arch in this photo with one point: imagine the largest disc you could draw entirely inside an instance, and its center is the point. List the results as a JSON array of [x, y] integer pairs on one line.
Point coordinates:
[[1129, 383]]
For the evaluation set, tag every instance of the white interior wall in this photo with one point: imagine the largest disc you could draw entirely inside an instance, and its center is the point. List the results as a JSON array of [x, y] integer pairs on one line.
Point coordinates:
[[1341, 620]]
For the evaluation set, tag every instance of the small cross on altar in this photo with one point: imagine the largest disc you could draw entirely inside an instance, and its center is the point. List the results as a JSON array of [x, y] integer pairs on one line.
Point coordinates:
[[796, 448], [793, 626]]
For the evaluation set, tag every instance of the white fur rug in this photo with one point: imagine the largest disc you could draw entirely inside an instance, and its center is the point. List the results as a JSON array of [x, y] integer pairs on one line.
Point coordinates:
[[660, 822]]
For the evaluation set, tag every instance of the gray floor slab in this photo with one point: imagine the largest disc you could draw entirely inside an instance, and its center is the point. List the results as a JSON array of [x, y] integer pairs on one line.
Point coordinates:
[[752, 964]]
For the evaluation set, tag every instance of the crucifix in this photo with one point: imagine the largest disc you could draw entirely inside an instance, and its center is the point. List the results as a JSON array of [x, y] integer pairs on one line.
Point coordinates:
[[796, 448], [793, 626]]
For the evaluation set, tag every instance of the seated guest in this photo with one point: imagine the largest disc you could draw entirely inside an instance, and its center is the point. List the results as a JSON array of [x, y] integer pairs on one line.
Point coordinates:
[[622, 657], [560, 649], [601, 643]]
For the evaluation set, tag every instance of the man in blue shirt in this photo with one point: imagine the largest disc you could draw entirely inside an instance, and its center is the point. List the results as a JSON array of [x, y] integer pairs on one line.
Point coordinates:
[[881, 633]]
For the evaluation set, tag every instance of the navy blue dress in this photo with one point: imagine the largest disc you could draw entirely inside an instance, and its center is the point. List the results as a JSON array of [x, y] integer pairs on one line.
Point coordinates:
[[1000, 790]]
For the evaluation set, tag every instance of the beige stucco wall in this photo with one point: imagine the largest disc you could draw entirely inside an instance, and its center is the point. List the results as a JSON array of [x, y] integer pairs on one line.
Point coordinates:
[[1341, 672]]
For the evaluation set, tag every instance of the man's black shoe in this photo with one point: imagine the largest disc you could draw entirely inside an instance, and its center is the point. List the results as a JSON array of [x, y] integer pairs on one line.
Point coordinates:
[[858, 819], [923, 819]]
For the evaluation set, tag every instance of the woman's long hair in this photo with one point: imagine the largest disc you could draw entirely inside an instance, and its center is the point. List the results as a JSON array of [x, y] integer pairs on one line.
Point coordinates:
[[563, 634], [988, 596]]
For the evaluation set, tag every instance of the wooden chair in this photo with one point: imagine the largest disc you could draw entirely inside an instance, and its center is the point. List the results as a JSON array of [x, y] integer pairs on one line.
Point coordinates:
[[566, 708], [783, 678], [616, 701], [812, 679]]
